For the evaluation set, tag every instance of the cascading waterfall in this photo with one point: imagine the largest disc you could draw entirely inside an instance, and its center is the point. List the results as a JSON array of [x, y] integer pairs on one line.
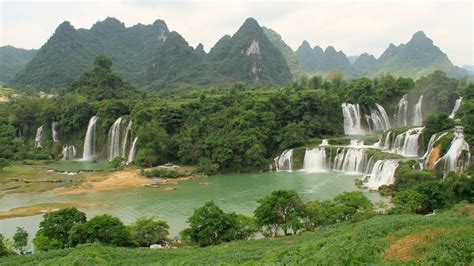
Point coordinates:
[[377, 121], [38, 137], [69, 152], [133, 151], [316, 160], [400, 116], [418, 114], [125, 138], [113, 140], [89, 141], [352, 117], [285, 161], [457, 157], [352, 160], [324, 142], [459, 102], [117, 141], [434, 139], [383, 173], [54, 131], [409, 142]]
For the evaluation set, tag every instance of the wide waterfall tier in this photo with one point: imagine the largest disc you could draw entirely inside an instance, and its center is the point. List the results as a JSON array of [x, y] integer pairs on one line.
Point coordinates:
[[459, 102], [118, 138], [133, 151], [418, 112], [38, 137], [350, 159], [401, 111], [383, 173], [457, 157], [284, 162], [88, 153], [408, 143], [54, 131], [357, 121], [316, 160], [69, 152]]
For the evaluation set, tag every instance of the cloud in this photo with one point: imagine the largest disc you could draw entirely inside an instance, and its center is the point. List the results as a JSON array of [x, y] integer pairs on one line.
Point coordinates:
[[353, 27]]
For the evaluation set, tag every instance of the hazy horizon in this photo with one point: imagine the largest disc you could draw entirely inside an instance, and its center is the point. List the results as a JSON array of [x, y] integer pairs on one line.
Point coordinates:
[[353, 27]]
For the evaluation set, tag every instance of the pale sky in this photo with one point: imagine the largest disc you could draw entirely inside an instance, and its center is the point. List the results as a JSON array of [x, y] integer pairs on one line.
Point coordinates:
[[351, 26]]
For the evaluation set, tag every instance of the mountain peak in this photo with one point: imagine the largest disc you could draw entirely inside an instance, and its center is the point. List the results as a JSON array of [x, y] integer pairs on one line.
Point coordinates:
[[110, 24], [330, 49], [250, 22], [64, 27], [305, 45], [318, 49], [418, 35]]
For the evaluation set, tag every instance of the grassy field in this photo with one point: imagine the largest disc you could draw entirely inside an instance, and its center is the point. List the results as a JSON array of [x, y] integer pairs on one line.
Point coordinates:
[[443, 239]]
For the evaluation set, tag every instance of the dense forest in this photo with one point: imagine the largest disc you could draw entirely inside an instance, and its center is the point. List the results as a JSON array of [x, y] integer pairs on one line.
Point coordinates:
[[232, 130]]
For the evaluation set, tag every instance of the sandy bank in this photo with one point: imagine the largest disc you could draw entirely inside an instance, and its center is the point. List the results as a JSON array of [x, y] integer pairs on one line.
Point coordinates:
[[39, 209], [116, 180]]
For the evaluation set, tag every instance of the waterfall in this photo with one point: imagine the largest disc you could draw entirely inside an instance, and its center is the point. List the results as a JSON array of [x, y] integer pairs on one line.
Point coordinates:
[[69, 152], [400, 116], [38, 137], [316, 160], [285, 161], [353, 160], [125, 138], [383, 173], [409, 142], [384, 117], [457, 157], [117, 140], [54, 125], [113, 140], [324, 142], [387, 140], [89, 141], [133, 151], [418, 115], [352, 117], [459, 102], [434, 139]]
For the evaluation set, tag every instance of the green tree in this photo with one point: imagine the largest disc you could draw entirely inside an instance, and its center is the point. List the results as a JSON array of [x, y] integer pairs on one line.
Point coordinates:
[[153, 142], [44, 243], [320, 213], [423, 198], [3, 249], [55, 227], [103, 229], [20, 240], [435, 123], [3, 163], [461, 185], [117, 163], [354, 205], [146, 231], [281, 210], [209, 225]]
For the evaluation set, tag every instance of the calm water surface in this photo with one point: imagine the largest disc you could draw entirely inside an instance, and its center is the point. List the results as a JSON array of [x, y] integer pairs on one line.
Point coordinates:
[[237, 193]]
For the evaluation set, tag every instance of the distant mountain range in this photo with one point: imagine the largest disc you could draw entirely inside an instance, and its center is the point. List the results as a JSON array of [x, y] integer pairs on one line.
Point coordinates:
[[13, 60], [152, 57], [416, 58]]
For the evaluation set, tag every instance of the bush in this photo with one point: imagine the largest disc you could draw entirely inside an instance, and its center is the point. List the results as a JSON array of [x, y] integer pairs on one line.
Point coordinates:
[[423, 198], [146, 231], [54, 229], [209, 225], [104, 229], [281, 210], [163, 172]]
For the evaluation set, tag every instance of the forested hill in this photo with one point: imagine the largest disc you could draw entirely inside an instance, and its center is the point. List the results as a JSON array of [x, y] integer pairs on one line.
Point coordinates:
[[12, 60], [416, 58], [150, 56]]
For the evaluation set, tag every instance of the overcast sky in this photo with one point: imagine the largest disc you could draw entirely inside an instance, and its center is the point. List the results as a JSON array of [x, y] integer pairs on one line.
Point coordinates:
[[353, 27]]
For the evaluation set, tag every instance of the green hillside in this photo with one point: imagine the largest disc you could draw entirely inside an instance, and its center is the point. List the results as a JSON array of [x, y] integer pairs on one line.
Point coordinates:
[[445, 239], [13, 60]]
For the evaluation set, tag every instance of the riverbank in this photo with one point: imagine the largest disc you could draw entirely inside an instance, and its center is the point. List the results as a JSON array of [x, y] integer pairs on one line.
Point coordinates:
[[40, 209]]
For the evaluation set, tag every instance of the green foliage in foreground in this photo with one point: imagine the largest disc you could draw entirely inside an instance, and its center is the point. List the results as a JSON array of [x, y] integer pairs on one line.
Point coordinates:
[[443, 239]]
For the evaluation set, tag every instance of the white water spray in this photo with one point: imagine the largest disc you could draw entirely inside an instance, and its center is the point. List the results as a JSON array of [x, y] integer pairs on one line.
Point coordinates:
[[383, 173], [418, 114], [38, 137], [459, 102], [89, 141], [54, 131]]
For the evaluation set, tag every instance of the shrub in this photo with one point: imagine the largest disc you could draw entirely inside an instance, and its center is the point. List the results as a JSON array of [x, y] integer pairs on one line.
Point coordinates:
[[104, 229], [146, 231]]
